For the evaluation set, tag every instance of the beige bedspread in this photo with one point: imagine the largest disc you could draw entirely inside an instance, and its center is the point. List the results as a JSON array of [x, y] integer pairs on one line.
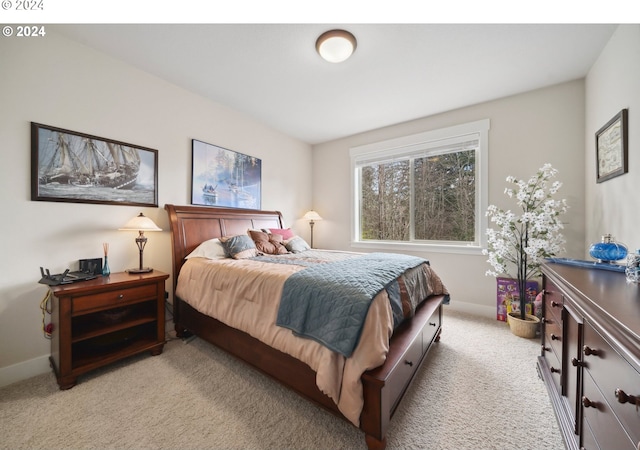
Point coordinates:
[[245, 294]]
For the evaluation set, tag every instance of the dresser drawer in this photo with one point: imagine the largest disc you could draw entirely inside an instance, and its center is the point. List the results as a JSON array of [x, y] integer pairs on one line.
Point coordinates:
[[588, 439], [553, 301], [553, 334], [553, 362], [597, 413], [112, 298], [601, 366]]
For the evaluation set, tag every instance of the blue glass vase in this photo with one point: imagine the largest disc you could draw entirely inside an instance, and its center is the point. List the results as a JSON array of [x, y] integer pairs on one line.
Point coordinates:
[[608, 250], [105, 268]]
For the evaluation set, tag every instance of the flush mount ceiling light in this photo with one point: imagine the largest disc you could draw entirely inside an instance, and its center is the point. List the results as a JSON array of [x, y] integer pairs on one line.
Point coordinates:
[[336, 45]]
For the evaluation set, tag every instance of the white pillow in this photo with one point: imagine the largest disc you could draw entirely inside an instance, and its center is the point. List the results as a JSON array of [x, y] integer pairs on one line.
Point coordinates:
[[297, 245], [211, 249]]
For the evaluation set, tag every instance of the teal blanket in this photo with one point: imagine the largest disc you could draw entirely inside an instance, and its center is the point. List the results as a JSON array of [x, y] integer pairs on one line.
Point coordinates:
[[329, 302]]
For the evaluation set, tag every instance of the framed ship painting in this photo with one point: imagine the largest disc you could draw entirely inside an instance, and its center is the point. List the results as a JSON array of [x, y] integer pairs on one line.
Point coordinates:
[[67, 166], [222, 177]]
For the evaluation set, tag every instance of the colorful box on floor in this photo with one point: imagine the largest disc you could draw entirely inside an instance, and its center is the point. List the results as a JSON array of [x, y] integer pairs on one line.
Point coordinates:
[[508, 299]]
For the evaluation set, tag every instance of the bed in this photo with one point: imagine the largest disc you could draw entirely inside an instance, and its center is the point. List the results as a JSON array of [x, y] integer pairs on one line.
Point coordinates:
[[381, 387]]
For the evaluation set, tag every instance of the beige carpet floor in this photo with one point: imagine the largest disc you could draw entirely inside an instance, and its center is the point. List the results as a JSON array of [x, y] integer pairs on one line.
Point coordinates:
[[478, 390]]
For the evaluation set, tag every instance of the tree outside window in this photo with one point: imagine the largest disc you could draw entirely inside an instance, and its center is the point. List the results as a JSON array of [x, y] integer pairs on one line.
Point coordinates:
[[434, 193]]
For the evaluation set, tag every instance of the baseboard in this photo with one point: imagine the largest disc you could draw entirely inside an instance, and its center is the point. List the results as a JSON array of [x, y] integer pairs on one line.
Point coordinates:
[[472, 308], [23, 370]]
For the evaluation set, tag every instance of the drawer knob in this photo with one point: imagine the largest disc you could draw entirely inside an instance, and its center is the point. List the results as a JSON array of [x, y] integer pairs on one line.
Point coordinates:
[[588, 403], [588, 351], [575, 362], [408, 363], [547, 321], [545, 349], [433, 324], [555, 338], [554, 370], [623, 397], [120, 296], [556, 304]]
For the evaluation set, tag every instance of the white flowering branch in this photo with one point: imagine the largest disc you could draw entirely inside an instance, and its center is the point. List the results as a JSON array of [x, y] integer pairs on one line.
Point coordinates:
[[522, 242]]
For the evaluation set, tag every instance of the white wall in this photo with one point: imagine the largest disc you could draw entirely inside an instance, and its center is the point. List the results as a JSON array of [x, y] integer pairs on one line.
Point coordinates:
[[57, 82], [527, 130], [612, 85]]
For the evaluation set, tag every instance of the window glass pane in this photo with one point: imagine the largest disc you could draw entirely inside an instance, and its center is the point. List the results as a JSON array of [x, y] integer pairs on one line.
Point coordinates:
[[445, 197], [426, 189], [385, 201]]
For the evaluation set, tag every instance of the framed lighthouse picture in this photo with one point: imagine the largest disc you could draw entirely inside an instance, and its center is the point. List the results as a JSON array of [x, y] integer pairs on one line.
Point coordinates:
[[68, 166], [225, 178]]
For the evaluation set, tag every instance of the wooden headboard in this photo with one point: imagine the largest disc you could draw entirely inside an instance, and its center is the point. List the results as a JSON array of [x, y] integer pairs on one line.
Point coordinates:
[[192, 225]]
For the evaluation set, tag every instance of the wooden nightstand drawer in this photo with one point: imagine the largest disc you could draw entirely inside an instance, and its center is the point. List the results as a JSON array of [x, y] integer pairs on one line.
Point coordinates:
[[111, 299], [601, 363]]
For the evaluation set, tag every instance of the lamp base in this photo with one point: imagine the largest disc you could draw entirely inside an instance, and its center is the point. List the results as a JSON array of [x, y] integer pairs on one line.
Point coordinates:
[[143, 270]]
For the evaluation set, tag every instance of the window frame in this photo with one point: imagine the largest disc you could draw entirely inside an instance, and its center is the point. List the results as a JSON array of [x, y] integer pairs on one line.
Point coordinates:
[[406, 144]]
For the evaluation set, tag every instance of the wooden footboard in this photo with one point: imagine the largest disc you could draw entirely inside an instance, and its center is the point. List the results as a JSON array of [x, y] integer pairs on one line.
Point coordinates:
[[383, 387]]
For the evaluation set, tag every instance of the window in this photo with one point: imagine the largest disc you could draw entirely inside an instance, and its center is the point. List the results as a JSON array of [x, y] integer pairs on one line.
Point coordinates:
[[428, 189]]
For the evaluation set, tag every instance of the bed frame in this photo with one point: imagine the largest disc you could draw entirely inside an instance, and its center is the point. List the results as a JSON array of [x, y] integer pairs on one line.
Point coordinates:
[[383, 387]]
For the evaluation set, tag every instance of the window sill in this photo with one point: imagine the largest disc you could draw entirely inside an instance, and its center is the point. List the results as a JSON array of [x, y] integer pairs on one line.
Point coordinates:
[[430, 248]]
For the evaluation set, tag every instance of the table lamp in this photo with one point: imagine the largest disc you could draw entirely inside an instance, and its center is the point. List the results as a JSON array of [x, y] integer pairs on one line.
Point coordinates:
[[140, 223]]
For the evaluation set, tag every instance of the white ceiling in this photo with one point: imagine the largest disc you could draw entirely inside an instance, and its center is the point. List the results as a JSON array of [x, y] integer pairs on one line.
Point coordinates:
[[272, 72]]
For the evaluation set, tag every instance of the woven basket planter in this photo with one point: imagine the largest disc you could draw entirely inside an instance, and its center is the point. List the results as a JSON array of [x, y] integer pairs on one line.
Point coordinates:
[[523, 328]]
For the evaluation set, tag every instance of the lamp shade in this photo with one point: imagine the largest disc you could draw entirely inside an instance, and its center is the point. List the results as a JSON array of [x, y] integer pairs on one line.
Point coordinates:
[[312, 215], [140, 223], [336, 45]]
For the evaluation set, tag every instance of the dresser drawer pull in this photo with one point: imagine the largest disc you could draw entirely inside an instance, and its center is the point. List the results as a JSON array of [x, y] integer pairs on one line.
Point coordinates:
[[545, 349], [433, 324], [408, 363], [556, 304], [120, 296], [547, 321], [588, 403], [623, 397], [575, 362], [588, 351], [554, 370], [555, 338]]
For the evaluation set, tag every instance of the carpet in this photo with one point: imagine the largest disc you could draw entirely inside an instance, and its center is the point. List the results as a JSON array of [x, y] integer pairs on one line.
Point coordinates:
[[479, 389]]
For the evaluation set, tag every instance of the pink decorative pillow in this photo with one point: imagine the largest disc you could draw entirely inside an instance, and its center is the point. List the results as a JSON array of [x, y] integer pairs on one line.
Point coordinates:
[[286, 233]]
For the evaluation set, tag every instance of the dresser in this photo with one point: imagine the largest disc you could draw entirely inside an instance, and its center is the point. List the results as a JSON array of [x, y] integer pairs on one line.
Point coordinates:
[[590, 356], [99, 321]]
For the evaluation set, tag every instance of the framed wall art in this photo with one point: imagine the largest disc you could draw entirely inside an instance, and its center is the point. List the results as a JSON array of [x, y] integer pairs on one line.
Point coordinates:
[[612, 148], [67, 166], [222, 177]]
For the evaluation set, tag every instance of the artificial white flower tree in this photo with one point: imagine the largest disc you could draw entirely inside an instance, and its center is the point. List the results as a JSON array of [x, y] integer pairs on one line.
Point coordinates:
[[522, 242]]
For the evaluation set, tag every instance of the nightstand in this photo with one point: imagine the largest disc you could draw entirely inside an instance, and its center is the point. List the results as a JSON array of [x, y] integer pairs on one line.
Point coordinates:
[[100, 321]]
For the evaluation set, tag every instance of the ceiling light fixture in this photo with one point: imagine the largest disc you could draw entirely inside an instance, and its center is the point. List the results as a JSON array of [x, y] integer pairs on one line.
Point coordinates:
[[336, 45]]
